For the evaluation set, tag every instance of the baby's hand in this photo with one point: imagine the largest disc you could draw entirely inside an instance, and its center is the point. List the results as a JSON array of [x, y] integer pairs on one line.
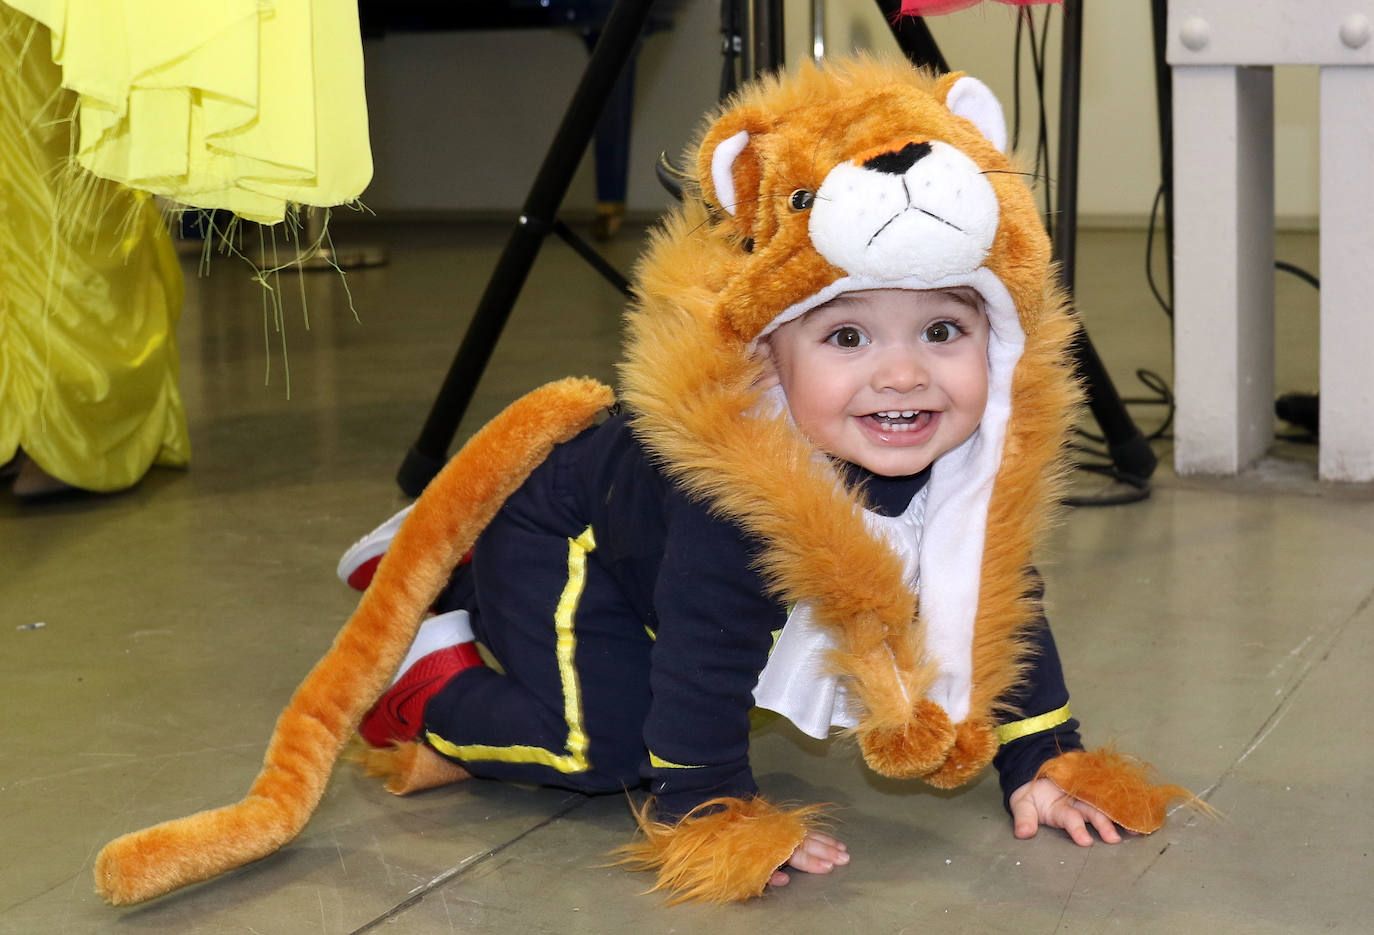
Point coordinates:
[[1041, 802], [817, 853]]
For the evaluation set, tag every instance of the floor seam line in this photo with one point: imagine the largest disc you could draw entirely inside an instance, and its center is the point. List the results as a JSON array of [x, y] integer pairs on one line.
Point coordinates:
[[1286, 702], [418, 895]]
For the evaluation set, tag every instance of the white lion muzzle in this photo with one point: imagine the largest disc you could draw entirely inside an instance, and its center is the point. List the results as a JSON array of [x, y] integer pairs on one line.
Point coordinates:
[[918, 210]]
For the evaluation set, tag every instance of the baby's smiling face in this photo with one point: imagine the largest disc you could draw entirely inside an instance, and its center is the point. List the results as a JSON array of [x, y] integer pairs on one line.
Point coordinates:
[[888, 379]]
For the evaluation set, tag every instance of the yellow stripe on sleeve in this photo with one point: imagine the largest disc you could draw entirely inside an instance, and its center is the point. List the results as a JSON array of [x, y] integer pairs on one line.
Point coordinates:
[[1015, 730]]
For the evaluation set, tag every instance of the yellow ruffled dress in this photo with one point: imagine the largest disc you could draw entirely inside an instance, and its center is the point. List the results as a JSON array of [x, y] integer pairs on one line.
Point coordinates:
[[90, 293], [243, 105]]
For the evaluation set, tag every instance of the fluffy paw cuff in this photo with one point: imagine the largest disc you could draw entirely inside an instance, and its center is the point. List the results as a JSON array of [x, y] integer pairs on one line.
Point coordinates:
[[724, 851], [1121, 786]]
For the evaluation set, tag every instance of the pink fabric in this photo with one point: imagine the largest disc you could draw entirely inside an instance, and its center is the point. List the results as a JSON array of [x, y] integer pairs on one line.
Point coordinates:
[[935, 7]]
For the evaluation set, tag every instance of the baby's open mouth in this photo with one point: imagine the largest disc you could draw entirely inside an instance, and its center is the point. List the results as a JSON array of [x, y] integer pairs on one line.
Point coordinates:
[[900, 420]]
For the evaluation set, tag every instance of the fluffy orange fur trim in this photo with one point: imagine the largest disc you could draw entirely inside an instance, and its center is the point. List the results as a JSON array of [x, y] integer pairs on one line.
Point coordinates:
[[975, 744], [1121, 786], [332, 699], [408, 767], [724, 851], [911, 749]]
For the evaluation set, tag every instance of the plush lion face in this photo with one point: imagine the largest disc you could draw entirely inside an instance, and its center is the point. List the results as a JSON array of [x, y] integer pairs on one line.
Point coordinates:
[[866, 176]]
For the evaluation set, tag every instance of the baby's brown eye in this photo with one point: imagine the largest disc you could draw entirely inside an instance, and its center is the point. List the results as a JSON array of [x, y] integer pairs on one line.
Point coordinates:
[[847, 337], [801, 199], [940, 332]]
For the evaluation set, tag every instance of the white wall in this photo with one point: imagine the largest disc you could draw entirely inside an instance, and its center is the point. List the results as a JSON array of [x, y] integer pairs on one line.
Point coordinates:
[[461, 121]]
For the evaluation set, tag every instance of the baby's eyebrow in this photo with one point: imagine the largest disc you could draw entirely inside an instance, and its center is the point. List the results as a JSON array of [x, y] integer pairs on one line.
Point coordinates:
[[967, 296], [844, 298]]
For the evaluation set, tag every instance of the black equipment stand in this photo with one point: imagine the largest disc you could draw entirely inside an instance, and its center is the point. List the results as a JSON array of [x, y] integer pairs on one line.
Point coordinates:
[[538, 219], [1131, 455]]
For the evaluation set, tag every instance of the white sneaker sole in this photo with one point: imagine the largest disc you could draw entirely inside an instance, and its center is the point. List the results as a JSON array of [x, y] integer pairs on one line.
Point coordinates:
[[369, 547]]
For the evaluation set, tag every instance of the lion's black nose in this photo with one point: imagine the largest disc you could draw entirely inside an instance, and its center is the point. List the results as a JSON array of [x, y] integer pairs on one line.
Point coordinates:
[[896, 163]]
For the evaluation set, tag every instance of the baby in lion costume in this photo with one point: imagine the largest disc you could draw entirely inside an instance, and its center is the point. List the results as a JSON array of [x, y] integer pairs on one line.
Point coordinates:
[[837, 439]]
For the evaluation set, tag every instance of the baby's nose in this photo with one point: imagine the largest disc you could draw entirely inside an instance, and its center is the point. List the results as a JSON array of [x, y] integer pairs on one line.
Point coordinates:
[[901, 371]]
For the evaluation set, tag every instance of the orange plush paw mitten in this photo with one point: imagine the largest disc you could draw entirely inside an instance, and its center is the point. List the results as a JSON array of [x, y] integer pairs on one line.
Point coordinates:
[[724, 851], [1120, 786]]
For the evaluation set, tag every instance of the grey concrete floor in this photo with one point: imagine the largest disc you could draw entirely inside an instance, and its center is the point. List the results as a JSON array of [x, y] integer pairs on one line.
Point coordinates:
[[1220, 628]]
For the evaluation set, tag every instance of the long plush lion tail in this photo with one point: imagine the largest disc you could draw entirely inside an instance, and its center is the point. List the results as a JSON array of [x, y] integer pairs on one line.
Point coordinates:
[[724, 851], [1121, 786], [332, 699]]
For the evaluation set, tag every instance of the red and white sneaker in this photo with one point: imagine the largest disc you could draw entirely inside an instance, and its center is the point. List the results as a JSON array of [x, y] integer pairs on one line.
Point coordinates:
[[443, 647], [359, 563]]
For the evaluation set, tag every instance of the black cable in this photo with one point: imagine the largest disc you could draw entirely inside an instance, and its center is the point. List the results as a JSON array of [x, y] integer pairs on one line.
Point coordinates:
[[1299, 272], [1149, 254], [1164, 396]]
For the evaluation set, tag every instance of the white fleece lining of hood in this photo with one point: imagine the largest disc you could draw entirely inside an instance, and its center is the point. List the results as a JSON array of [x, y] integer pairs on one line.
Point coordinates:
[[949, 547]]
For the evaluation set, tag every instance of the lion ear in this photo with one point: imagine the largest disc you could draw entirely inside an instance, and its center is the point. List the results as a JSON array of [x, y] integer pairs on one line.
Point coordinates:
[[723, 159], [728, 166], [974, 101]]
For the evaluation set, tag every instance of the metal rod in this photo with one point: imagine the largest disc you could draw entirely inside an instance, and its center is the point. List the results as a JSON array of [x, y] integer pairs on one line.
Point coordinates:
[[748, 29], [818, 29], [597, 261]]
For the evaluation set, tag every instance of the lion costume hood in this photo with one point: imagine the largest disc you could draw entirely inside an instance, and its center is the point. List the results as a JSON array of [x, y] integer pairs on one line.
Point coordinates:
[[836, 179]]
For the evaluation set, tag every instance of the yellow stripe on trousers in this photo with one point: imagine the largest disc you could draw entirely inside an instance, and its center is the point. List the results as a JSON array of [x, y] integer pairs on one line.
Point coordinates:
[[574, 758]]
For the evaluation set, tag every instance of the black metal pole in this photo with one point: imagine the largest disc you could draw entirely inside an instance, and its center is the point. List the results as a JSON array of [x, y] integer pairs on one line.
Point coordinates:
[[536, 221], [1130, 452], [776, 51], [913, 37], [1066, 191], [1164, 111]]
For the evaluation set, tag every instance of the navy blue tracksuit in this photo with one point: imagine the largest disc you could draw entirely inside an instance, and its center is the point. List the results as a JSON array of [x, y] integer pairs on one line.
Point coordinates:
[[632, 626]]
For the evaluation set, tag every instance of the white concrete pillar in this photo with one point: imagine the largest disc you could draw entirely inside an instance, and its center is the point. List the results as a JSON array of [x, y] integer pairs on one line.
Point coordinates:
[[1223, 267], [1347, 274]]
